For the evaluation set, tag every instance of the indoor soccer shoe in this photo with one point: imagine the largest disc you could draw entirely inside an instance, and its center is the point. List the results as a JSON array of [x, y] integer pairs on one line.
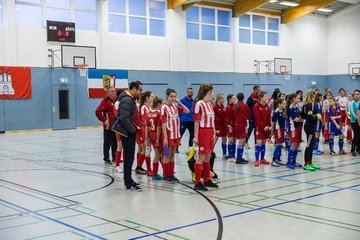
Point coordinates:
[[257, 163], [309, 167], [118, 169], [200, 187], [315, 166], [157, 177], [275, 164], [290, 165], [280, 162], [342, 152], [173, 179], [297, 165], [149, 173], [332, 153], [242, 161], [211, 184], [263, 161], [317, 152], [140, 170]]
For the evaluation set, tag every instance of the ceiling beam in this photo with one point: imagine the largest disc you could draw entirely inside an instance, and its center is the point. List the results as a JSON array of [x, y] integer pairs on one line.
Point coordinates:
[[243, 6], [214, 4], [267, 12], [172, 4], [305, 7]]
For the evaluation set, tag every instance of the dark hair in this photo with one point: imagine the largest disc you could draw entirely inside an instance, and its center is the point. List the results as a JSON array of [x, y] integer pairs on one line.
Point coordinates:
[[275, 94], [302, 94], [262, 94], [229, 97], [317, 89], [277, 89], [277, 102], [157, 102], [203, 90], [189, 88], [143, 98], [169, 91], [342, 89], [119, 91], [289, 100], [318, 97], [240, 98], [135, 84], [256, 87]]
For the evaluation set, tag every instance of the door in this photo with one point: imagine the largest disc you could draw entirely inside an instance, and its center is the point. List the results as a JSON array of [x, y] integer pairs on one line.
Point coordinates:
[[63, 107], [2, 116]]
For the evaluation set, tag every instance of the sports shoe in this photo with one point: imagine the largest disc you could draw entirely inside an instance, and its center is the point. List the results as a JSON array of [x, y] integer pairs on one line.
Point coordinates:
[[315, 166], [157, 177], [280, 162], [257, 163], [193, 177], [232, 160], [149, 173], [342, 152], [263, 161], [242, 161], [332, 153], [354, 154], [297, 164], [308, 167], [290, 165], [211, 184], [247, 146], [173, 179], [275, 163], [134, 188], [200, 187], [118, 169], [317, 152], [108, 162], [225, 156], [140, 170]]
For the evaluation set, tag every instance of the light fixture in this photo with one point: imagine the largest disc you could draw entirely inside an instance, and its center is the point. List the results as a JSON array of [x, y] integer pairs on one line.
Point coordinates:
[[273, 1], [289, 4], [327, 10]]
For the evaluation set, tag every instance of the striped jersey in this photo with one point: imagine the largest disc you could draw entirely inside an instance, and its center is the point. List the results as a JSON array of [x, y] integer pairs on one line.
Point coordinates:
[[204, 113], [170, 116], [144, 111]]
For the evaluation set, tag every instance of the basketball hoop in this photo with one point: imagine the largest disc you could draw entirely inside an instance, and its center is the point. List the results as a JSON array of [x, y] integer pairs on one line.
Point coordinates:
[[83, 68], [286, 74]]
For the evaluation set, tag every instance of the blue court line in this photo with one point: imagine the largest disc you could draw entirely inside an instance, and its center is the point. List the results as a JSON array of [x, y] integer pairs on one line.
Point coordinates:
[[247, 211], [54, 220]]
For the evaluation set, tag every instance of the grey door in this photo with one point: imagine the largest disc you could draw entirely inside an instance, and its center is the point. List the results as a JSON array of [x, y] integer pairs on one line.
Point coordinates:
[[63, 107]]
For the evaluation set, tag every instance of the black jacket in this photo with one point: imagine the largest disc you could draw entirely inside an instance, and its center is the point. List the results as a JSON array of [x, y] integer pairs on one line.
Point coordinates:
[[126, 114], [308, 113]]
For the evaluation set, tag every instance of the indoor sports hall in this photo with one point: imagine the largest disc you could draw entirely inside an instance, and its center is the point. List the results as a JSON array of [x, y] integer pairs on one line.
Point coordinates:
[[179, 119]]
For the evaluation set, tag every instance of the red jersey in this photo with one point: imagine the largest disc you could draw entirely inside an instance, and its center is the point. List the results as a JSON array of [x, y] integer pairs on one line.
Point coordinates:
[[230, 114], [204, 113], [262, 115], [136, 121], [144, 111], [170, 116], [241, 115], [220, 115], [153, 122]]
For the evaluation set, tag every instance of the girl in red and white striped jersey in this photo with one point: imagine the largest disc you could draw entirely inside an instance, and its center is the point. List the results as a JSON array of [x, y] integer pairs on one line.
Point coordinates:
[[204, 136], [171, 131]]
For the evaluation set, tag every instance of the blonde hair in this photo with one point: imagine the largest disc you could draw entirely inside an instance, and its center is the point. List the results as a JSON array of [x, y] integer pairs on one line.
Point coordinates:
[[310, 97], [218, 97]]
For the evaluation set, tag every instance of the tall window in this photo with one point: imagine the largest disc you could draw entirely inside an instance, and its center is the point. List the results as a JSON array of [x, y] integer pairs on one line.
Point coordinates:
[[58, 10], [86, 14], [208, 24], [144, 17], [28, 12], [1, 12], [259, 29]]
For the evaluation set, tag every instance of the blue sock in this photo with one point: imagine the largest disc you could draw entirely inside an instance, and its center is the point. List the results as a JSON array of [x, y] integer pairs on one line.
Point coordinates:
[[262, 151], [240, 151], [278, 151], [295, 156], [223, 146], [275, 153], [290, 155], [287, 143], [257, 151], [229, 149], [316, 144], [341, 144], [233, 149], [331, 144]]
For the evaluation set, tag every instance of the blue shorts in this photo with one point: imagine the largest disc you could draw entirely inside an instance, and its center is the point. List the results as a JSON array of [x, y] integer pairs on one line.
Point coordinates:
[[333, 130], [318, 126]]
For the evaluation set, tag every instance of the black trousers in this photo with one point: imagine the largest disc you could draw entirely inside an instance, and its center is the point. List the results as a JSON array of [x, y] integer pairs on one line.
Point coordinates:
[[109, 142], [310, 136], [250, 130], [355, 146], [128, 144], [189, 126]]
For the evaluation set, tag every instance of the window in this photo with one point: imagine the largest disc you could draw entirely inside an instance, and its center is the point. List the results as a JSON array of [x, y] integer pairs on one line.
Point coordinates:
[[259, 29], [208, 24], [28, 12], [144, 17], [86, 14], [58, 10], [1, 12]]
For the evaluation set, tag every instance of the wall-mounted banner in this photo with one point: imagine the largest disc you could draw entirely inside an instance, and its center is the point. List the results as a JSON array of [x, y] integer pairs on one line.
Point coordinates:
[[15, 82], [100, 79]]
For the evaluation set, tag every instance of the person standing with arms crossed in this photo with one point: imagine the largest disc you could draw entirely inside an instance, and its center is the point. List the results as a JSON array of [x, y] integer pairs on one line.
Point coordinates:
[[127, 130], [187, 119], [106, 112]]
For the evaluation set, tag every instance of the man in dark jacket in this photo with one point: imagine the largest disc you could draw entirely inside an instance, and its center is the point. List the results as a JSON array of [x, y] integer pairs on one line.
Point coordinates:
[[251, 101], [127, 129], [105, 112]]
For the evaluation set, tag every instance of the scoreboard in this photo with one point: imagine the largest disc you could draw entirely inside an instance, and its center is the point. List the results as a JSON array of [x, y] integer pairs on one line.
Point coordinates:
[[60, 31]]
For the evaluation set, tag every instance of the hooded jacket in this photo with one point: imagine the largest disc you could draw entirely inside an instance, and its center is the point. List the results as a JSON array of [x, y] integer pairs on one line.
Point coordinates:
[[126, 114]]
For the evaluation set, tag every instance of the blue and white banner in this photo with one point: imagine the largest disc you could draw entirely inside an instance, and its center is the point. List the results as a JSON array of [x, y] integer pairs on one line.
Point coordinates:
[[100, 79]]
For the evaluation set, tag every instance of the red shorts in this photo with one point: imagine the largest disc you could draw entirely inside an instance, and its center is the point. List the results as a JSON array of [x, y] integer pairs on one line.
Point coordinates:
[[240, 132], [173, 142], [206, 142], [279, 135], [222, 131], [118, 138], [347, 121], [260, 134], [160, 146], [139, 138], [296, 135], [231, 134], [343, 116]]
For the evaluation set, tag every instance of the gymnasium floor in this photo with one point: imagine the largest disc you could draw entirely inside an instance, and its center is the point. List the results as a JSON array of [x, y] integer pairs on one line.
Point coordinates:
[[54, 185]]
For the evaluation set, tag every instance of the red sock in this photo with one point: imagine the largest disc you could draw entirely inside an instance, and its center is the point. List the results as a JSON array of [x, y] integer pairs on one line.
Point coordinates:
[[140, 160], [166, 169], [206, 166], [349, 135], [148, 164], [198, 171], [155, 168], [326, 135], [117, 158], [172, 167]]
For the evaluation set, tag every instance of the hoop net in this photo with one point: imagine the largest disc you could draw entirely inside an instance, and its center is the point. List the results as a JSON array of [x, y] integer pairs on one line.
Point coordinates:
[[83, 69], [286, 74]]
